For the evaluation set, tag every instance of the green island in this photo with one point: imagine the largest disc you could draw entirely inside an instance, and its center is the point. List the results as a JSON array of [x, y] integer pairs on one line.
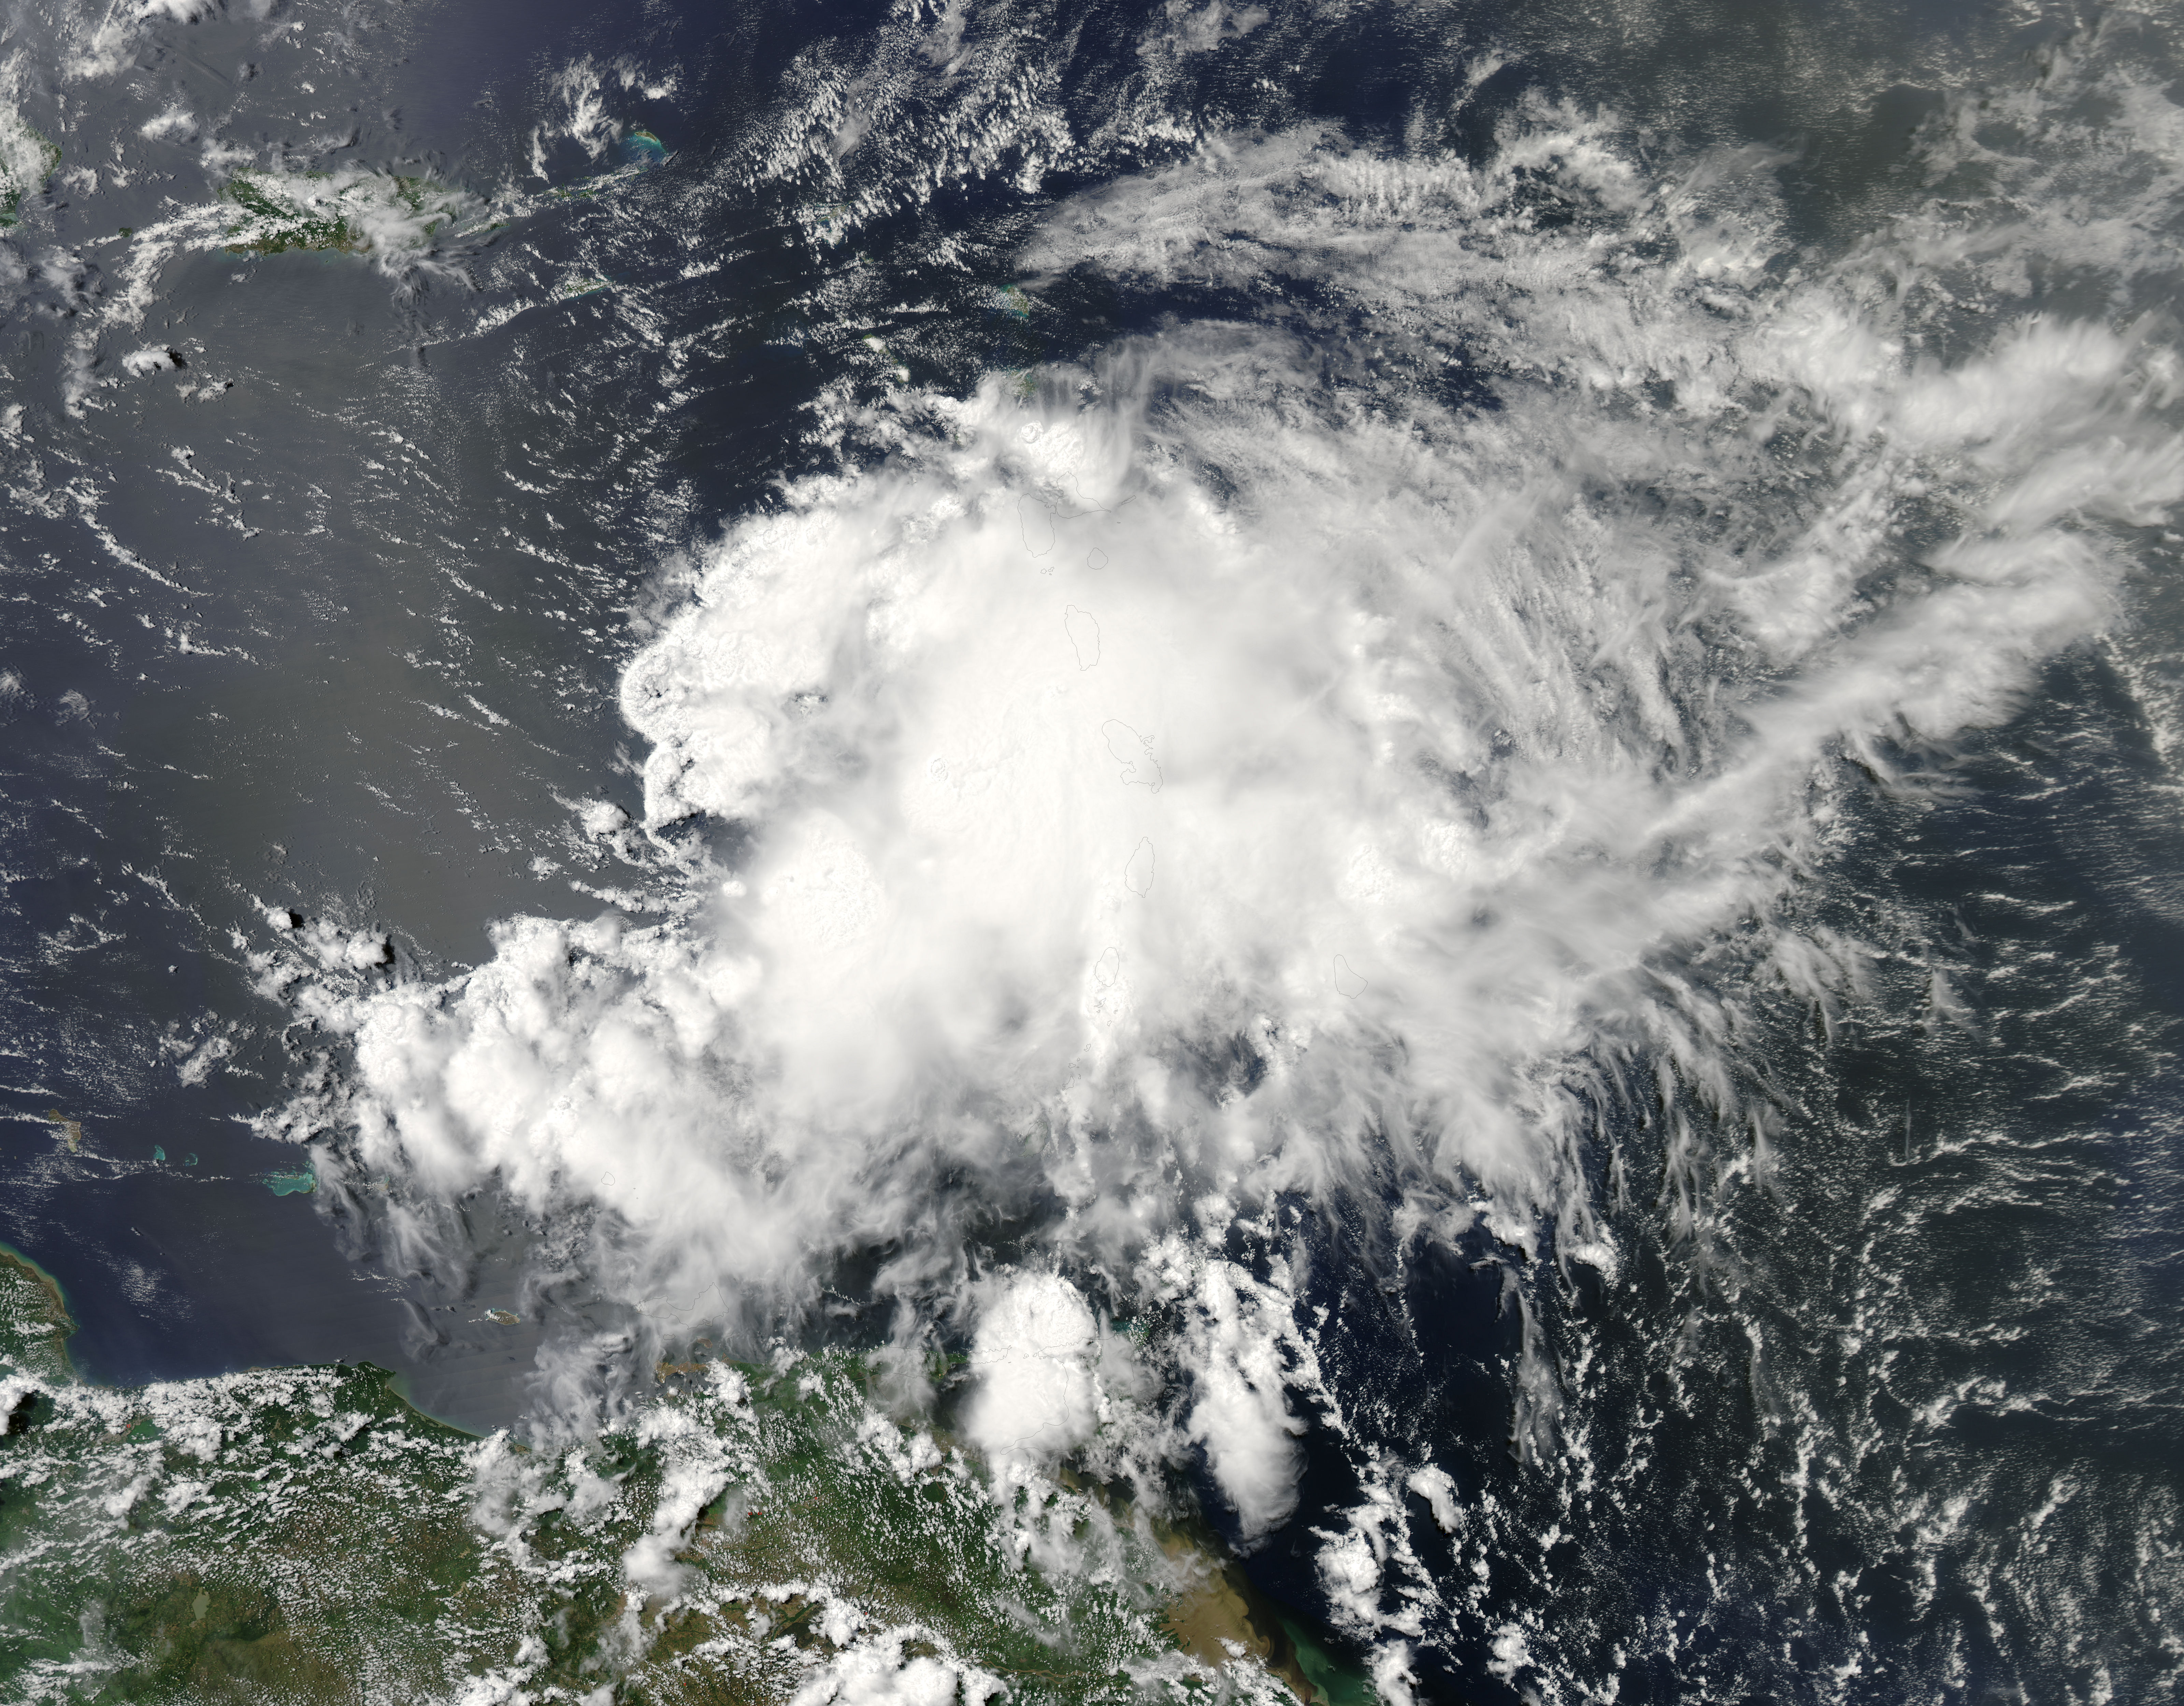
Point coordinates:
[[28, 160], [348, 212], [748, 1535]]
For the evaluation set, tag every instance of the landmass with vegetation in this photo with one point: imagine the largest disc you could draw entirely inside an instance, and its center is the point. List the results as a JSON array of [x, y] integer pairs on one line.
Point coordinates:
[[753, 1534], [349, 212], [28, 160]]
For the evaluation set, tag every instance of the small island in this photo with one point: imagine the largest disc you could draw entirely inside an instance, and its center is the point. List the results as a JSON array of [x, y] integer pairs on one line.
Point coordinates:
[[28, 160], [347, 213]]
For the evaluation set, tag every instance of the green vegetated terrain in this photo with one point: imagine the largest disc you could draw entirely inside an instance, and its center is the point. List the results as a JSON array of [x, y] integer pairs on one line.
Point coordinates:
[[753, 1535], [350, 212], [356, 212], [27, 161]]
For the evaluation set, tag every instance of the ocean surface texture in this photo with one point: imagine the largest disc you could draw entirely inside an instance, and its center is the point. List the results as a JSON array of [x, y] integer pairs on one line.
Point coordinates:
[[1402, 775]]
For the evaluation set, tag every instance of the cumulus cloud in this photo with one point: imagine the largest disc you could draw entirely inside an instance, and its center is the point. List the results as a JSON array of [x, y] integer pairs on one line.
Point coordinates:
[[173, 123], [1207, 777], [875, 1672], [1036, 1345], [1241, 1412], [1048, 1375], [1437, 1487]]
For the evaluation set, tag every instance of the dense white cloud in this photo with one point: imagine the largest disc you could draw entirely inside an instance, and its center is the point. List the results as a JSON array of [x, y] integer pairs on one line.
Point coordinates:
[[1239, 1332], [874, 1672], [1203, 777], [1035, 1357]]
